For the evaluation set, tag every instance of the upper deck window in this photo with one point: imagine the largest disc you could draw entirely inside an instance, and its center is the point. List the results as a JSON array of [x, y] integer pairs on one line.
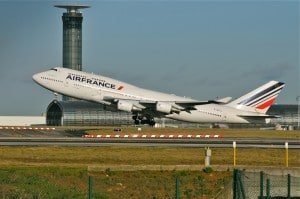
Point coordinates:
[[53, 69]]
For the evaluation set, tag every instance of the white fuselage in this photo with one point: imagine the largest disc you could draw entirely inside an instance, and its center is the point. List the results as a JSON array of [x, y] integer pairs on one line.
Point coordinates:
[[97, 88]]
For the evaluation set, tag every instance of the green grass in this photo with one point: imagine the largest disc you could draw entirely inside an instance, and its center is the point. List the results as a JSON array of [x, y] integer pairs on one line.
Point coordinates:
[[93, 156], [161, 184], [30, 182], [65, 182]]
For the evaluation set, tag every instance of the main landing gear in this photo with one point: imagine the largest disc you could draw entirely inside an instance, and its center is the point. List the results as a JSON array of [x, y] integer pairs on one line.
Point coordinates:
[[143, 120]]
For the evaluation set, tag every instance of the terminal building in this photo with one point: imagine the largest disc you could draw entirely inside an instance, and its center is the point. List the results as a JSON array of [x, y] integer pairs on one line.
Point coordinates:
[[83, 113]]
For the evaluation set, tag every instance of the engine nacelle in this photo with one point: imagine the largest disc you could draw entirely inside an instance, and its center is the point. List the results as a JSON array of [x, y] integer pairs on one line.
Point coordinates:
[[124, 106], [163, 107]]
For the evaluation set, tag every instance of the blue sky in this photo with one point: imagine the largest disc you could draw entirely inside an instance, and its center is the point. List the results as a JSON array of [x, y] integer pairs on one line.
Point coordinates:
[[200, 49]]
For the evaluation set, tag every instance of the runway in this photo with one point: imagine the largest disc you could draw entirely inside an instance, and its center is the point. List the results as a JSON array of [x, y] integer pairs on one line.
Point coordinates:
[[148, 142]]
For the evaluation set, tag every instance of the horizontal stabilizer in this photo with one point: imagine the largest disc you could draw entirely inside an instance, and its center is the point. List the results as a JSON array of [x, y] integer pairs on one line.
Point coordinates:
[[224, 100], [258, 116]]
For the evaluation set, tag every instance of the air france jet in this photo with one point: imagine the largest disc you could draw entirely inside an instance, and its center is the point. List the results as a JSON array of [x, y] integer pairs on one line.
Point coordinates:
[[147, 104]]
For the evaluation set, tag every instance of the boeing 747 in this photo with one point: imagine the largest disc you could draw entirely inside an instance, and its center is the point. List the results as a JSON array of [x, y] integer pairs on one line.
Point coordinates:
[[147, 104]]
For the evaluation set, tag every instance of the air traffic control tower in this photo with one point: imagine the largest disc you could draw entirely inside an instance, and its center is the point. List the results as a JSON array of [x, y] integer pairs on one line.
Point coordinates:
[[72, 38]]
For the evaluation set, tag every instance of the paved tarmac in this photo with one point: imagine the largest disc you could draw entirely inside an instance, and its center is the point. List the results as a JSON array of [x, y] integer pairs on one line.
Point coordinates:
[[146, 142]]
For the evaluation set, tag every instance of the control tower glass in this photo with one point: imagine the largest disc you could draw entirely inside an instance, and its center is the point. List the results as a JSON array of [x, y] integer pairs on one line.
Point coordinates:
[[72, 40]]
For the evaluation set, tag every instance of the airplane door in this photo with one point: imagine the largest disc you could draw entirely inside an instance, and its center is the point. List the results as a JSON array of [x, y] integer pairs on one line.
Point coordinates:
[[224, 117], [66, 83]]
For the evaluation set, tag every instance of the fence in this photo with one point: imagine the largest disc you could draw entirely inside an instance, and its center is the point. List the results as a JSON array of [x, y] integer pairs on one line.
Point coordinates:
[[264, 186], [250, 185]]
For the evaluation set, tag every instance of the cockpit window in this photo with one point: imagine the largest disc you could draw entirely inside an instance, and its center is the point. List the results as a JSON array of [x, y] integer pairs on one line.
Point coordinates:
[[53, 69]]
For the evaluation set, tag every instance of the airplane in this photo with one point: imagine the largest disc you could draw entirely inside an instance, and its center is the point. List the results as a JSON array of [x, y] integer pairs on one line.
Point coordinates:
[[146, 105]]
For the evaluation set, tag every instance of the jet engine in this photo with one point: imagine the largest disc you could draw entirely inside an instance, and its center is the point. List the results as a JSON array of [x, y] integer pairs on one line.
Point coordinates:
[[163, 107], [128, 106], [125, 106]]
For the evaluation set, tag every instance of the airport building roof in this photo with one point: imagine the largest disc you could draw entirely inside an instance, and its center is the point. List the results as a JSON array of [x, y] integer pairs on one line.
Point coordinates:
[[22, 120], [74, 113], [279, 109]]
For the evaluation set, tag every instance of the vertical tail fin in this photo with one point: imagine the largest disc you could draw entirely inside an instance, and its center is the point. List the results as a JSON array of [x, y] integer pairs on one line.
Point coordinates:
[[260, 99]]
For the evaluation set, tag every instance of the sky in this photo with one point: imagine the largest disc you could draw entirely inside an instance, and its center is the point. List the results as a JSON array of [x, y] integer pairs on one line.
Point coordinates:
[[198, 49]]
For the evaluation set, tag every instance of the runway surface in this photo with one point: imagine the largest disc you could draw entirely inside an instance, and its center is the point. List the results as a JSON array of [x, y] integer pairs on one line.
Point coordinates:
[[146, 142]]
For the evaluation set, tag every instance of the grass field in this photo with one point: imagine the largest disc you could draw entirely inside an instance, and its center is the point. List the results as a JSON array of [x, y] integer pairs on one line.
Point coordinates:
[[85, 156], [65, 182]]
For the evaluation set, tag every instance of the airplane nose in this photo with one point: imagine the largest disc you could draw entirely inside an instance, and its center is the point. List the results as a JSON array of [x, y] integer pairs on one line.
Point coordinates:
[[35, 77]]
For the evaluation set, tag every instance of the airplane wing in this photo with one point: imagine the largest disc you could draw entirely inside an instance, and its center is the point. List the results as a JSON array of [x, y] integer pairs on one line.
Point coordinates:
[[163, 107]]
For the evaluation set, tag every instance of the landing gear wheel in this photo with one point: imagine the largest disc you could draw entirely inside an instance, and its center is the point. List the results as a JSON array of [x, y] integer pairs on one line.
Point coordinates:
[[137, 122], [151, 122], [141, 119]]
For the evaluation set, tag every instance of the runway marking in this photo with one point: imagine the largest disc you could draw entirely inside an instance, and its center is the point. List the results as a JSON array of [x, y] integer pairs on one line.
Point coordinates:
[[26, 128], [152, 136]]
